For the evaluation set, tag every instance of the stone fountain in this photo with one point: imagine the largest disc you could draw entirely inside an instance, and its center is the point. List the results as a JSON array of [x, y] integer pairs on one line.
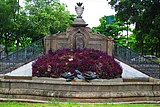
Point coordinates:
[[44, 90]]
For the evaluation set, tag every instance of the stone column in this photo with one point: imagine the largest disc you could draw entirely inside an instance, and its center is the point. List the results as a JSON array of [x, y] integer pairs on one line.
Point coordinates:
[[47, 44], [110, 46]]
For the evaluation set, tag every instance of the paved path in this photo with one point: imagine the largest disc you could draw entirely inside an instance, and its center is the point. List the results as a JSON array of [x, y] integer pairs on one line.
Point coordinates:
[[128, 72]]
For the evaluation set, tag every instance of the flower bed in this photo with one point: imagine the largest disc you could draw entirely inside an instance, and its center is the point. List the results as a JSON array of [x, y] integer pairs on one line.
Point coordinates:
[[54, 64]]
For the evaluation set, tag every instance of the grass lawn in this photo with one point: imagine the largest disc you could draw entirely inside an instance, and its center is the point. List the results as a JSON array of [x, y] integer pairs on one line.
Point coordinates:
[[20, 104]]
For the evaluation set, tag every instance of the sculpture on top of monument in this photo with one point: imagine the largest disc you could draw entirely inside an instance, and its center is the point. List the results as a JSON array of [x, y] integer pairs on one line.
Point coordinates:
[[79, 22], [79, 10]]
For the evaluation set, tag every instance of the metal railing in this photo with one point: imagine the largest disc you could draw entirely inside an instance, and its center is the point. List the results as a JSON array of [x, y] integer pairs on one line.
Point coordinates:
[[22, 56], [122, 53], [136, 60]]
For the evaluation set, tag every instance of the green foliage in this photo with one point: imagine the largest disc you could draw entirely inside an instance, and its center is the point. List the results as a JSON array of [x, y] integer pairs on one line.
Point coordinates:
[[72, 104], [115, 30], [46, 17], [22, 25], [145, 14], [8, 10]]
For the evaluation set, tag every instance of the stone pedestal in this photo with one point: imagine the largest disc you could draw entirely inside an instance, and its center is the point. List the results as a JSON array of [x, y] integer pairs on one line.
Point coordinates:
[[79, 22], [79, 37]]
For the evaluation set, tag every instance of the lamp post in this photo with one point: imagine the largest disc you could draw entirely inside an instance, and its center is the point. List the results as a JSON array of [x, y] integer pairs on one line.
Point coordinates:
[[127, 23], [127, 34], [17, 44]]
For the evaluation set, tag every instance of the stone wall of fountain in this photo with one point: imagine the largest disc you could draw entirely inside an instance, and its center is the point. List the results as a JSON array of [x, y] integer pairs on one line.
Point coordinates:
[[96, 91]]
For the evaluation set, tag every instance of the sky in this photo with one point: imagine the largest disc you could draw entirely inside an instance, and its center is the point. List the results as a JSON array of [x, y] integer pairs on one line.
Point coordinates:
[[93, 10]]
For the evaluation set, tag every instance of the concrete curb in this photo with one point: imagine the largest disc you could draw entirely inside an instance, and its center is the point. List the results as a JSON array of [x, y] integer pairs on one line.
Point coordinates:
[[40, 101]]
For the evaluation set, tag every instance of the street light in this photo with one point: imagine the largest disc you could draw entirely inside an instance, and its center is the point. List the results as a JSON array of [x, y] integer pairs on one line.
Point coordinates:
[[127, 23]]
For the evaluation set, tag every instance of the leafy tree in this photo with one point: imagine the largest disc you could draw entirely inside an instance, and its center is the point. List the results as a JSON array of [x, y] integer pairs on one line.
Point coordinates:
[[145, 14], [115, 30], [21, 26], [13, 23], [46, 17], [7, 17]]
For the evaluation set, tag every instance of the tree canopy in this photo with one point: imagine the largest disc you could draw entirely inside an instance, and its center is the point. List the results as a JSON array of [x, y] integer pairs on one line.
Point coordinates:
[[8, 9], [47, 17], [115, 29], [23, 25], [145, 15]]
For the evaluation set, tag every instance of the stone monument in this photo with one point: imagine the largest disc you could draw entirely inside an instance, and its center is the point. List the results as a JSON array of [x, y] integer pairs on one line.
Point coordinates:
[[79, 36]]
